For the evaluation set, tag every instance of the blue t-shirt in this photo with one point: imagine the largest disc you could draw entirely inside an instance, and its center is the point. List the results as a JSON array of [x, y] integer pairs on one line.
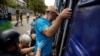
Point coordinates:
[[41, 25]]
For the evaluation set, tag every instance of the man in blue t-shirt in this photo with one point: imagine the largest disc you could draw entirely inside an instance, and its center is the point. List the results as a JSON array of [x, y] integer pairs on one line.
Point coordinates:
[[45, 29]]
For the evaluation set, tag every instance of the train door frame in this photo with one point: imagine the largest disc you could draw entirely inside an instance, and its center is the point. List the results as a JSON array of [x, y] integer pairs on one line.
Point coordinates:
[[60, 44]]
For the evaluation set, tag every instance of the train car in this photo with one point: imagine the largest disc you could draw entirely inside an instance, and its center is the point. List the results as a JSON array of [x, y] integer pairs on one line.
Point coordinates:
[[79, 36]]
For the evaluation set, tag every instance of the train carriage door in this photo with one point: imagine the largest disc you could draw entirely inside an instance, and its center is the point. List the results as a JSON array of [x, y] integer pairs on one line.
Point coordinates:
[[84, 36]]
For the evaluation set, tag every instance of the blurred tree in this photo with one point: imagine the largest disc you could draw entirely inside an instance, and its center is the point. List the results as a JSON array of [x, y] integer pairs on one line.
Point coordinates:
[[36, 5], [10, 3], [27, 2]]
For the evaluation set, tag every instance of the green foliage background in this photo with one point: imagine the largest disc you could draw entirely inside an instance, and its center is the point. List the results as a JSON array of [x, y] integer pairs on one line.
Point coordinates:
[[9, 3], [5, 25]]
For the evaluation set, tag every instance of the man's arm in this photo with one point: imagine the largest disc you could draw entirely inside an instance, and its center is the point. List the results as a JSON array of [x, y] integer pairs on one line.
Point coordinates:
[[53, 28], [26, 50], [66, 13]]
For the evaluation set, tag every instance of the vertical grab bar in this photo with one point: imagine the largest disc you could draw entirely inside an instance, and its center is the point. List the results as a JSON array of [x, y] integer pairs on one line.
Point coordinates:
[[64, 33]]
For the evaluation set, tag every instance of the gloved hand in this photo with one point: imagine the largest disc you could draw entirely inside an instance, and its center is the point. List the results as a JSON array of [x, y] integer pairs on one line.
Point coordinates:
[[41, 44]]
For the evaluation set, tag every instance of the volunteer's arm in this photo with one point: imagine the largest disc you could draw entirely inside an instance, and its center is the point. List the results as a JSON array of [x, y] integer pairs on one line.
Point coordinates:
[[66, 13]]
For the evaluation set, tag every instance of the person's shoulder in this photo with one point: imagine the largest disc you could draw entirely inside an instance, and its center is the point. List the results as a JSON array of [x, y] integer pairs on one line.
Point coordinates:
[[40, 20]]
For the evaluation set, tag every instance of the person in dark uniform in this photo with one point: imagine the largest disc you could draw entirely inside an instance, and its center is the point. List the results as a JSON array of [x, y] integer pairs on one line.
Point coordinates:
[[9, 43], [21, 19], [17, 17]]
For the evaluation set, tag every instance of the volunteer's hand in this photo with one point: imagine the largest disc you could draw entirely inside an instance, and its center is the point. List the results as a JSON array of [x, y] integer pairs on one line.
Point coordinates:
[[66, 13]]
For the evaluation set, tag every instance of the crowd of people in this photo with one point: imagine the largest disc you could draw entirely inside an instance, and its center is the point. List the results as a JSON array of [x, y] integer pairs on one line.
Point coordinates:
[[39, 42]]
